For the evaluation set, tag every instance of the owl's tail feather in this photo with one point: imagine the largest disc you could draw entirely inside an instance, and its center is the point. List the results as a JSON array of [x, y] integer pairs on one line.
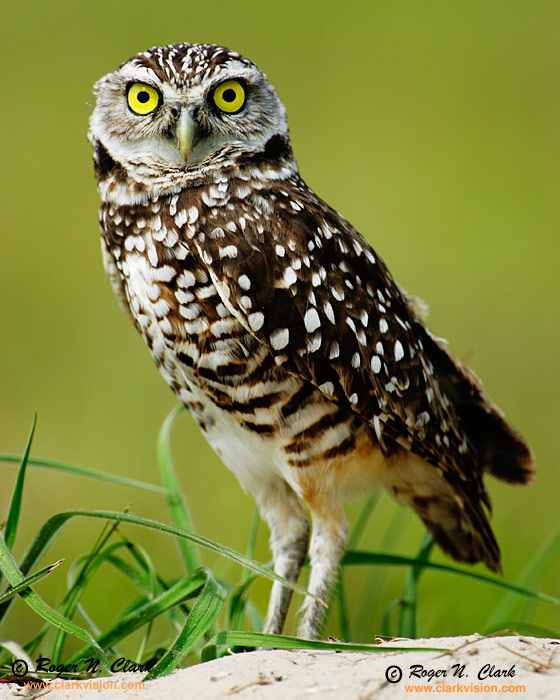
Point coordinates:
[[502, 451], [465, 544], [450, 508]]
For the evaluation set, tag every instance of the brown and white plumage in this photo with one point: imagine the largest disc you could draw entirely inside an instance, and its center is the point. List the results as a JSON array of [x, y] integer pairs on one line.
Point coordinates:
[[274, 321]]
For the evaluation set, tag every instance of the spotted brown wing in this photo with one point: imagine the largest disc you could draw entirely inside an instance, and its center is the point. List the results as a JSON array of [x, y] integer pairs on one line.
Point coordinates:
[[310, 287]]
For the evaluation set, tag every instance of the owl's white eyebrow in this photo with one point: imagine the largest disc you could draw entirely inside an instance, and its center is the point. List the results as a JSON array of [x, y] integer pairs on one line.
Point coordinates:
[[140, 74]]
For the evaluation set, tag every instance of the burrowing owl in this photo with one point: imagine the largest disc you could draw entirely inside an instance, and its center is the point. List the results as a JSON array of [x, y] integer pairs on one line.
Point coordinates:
[[307, 367]]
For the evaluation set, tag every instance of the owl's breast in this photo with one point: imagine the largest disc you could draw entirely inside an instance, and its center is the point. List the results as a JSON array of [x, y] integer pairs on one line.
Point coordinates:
[[193, 338], [253, 412]]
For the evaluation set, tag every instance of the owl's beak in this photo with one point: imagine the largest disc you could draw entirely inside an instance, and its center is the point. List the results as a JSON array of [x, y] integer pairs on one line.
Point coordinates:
[[185, 129]]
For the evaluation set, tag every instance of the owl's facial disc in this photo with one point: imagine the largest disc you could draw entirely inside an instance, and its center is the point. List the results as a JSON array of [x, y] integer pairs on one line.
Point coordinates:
[[184, 111]]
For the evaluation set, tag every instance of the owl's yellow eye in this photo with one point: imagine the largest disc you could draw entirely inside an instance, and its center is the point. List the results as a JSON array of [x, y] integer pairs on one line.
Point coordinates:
[[142, 99], [229, 96]]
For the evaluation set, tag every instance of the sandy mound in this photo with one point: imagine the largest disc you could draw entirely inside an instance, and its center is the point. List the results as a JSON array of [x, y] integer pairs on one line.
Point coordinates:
[[529, 667]]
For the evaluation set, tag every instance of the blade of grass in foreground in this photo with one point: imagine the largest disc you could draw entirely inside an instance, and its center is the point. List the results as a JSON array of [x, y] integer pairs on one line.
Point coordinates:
[[358, 557], [355, 535], [549, 550], [16, 652], [89, 565], [29, 581], [408, 613], [51, 528], [386, 628], [273, 641], [15, 505], [238, 599], [523, 627], [143, 576], [144, 613], [202, 616], [363, 519], [238, 603], [175, 500], [85, 567], [13, 574], [85, 471]]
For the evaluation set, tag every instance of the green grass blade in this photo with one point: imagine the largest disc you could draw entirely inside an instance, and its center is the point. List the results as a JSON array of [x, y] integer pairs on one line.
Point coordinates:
[[16, 651], [386, 627], [71, 600], [340, 590], [238, 602], [408, 617], [375, 579], [137, 577], [522, 627], [273, 641], [203, 615], [29, 581], [145, 613], [547, 553], [13, 575], [145, 577], [149, 589], [85, 471], [17, 495], [342, 605], [363, 519], [52, 527], [352, 558], [175, 500], [252, 541]]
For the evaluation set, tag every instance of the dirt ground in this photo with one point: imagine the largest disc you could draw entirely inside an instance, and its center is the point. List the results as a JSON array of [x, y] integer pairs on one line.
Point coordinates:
[[520, 667]]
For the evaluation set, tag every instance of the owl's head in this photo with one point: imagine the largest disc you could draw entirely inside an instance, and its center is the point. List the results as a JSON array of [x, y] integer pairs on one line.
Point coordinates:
[[184, 110]]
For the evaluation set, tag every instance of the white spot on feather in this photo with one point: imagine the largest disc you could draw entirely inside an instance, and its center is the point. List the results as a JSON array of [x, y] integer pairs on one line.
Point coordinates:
[[289, 277], [244, 282], [181, 218], [245, 302], [230, 251], [377, 426], [186, 279], [256, 321], [183, 297], [311, 320], [329, 311], [314, 343], [280, 338], [165, 273]]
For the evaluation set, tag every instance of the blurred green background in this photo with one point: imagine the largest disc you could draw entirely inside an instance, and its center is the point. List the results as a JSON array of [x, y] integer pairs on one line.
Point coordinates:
[[432, 126]]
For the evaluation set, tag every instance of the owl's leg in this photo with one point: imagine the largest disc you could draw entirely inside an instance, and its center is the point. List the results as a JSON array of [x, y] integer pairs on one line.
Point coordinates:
[[328, 540], [289, 541]]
